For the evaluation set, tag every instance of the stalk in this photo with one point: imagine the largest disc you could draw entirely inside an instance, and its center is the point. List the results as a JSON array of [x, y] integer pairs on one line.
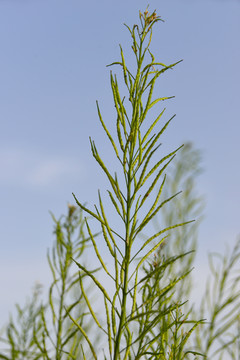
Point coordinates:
[[128, 243], [60, 313], [128, 239]]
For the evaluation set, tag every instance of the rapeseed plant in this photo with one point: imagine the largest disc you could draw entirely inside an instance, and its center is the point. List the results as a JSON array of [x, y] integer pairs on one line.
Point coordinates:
[[144, 311]]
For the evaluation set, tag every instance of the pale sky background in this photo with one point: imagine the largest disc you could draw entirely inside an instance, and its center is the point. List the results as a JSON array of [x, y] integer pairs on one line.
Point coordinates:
[[53, 57]]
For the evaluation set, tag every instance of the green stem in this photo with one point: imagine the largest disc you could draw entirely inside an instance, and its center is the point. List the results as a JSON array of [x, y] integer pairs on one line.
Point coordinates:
[[128, 240], [60, 321], [126, 263]]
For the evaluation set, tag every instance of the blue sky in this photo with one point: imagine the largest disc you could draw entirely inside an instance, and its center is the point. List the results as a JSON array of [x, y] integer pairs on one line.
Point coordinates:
[[53, 68]]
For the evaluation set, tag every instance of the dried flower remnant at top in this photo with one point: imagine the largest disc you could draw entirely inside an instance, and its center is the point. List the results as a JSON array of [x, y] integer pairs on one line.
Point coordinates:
[[148, 18]]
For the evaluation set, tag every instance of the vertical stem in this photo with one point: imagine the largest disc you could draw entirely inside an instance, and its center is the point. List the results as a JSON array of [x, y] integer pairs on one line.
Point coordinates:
[[126, 262], [59, 330], [60, 317], [128, 241]]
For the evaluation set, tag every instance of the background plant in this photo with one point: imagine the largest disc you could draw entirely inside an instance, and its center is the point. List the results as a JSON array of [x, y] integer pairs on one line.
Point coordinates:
[[219, 338], [182, 246], [44, 330], [182, 174], [19, 331]]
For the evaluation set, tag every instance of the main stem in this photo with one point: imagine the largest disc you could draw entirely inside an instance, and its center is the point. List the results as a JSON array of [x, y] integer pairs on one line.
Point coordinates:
[[128, 239], [126, 262]]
